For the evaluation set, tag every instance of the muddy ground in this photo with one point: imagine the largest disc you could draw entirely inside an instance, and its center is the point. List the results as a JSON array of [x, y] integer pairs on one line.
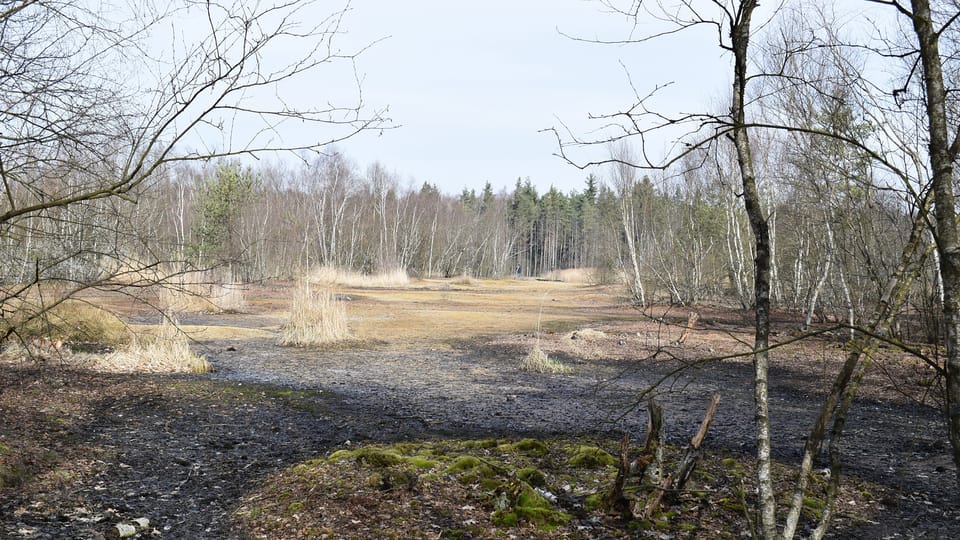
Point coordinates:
[[182, 450]]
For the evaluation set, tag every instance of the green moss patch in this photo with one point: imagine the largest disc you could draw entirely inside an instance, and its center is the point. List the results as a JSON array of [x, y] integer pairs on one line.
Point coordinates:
[[526, 488], [590, 457], [530, 447]]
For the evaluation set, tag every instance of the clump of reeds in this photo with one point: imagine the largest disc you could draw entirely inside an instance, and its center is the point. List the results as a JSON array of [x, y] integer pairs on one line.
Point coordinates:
[[330, 275], [538, 361], [317, 317], [166, 352]]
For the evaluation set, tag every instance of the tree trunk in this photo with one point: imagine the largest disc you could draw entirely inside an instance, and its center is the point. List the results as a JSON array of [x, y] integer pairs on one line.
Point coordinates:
[[740, 39], [911, 263], [942, 155]]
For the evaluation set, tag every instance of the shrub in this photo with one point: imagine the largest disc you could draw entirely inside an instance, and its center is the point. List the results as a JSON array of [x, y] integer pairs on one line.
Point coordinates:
[[317, 317]]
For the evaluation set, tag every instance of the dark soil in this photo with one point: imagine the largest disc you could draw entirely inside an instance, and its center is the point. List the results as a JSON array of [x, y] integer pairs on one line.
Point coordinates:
[[182, 451]]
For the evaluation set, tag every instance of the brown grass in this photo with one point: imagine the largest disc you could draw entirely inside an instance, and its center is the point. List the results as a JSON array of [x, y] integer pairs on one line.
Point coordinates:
[[462, 279], [166, 352], [68, 321], [583, 276], [330, 276], [538, 361], [191, 292], [317, 317]]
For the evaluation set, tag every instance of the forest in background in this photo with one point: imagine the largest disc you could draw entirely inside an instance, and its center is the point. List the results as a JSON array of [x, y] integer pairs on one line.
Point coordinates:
[[681, 237]]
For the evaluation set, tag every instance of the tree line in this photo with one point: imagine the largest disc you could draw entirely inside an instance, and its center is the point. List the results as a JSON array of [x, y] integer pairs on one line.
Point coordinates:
[[679, 237]]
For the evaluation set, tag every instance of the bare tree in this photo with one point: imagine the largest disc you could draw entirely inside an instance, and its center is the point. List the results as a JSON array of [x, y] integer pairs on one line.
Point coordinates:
[[625, 183], [932, 26], [93, 109]]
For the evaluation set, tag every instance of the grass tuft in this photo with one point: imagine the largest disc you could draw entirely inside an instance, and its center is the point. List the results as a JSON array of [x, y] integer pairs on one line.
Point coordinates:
[[317, 317], [50, 320], [167, 352], [330, 276], [583, 276], [538, 362], [192, 292]]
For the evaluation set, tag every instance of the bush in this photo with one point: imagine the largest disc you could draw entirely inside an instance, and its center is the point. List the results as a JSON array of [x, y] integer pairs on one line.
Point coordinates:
[[317, 317]]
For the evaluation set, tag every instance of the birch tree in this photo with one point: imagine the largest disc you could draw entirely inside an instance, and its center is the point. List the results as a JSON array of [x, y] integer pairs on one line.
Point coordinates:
[[92, 110]]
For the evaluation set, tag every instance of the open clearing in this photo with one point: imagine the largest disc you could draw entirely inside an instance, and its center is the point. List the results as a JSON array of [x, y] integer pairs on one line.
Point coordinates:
[[434, 367]]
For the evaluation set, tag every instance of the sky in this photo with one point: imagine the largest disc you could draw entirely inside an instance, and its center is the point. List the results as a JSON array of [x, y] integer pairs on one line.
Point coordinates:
[[470, 85]]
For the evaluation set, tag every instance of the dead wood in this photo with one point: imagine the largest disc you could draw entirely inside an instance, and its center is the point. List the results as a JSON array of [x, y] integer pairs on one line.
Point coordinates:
[[691, 320], [688, 463], [648, 458]]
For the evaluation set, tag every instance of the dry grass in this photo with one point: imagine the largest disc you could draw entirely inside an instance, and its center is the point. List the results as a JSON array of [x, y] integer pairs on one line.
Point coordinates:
[[317, 317], [462, 279], [129, 270], [329, 276], [583, 276], [436, 314], [191, 292], [167, 352], [537, 361], [229, 297], [69, 321]]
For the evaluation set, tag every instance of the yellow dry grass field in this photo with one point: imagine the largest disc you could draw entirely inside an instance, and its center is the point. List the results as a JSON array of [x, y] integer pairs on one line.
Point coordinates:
[[426, 313], [437, 313]]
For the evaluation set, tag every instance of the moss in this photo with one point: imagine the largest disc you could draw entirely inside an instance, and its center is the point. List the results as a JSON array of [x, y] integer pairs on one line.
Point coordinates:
[[483, 443], [4, 449], [504, 518], [528, 497], [704, 476], [593, 501], [469, 478], [530, 447], [532, 476], [421, 462], [813, 506], [295, 507], [462, 464], [590, 457], [479, 468], [730, 463], [732, 505], [405, 448], [545, 518], [378, 457], [491, 485], [373, 456], [374, 480]]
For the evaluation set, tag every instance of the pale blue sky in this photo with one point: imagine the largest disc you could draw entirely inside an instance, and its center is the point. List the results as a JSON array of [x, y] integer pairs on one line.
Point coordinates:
[[472, 83]]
